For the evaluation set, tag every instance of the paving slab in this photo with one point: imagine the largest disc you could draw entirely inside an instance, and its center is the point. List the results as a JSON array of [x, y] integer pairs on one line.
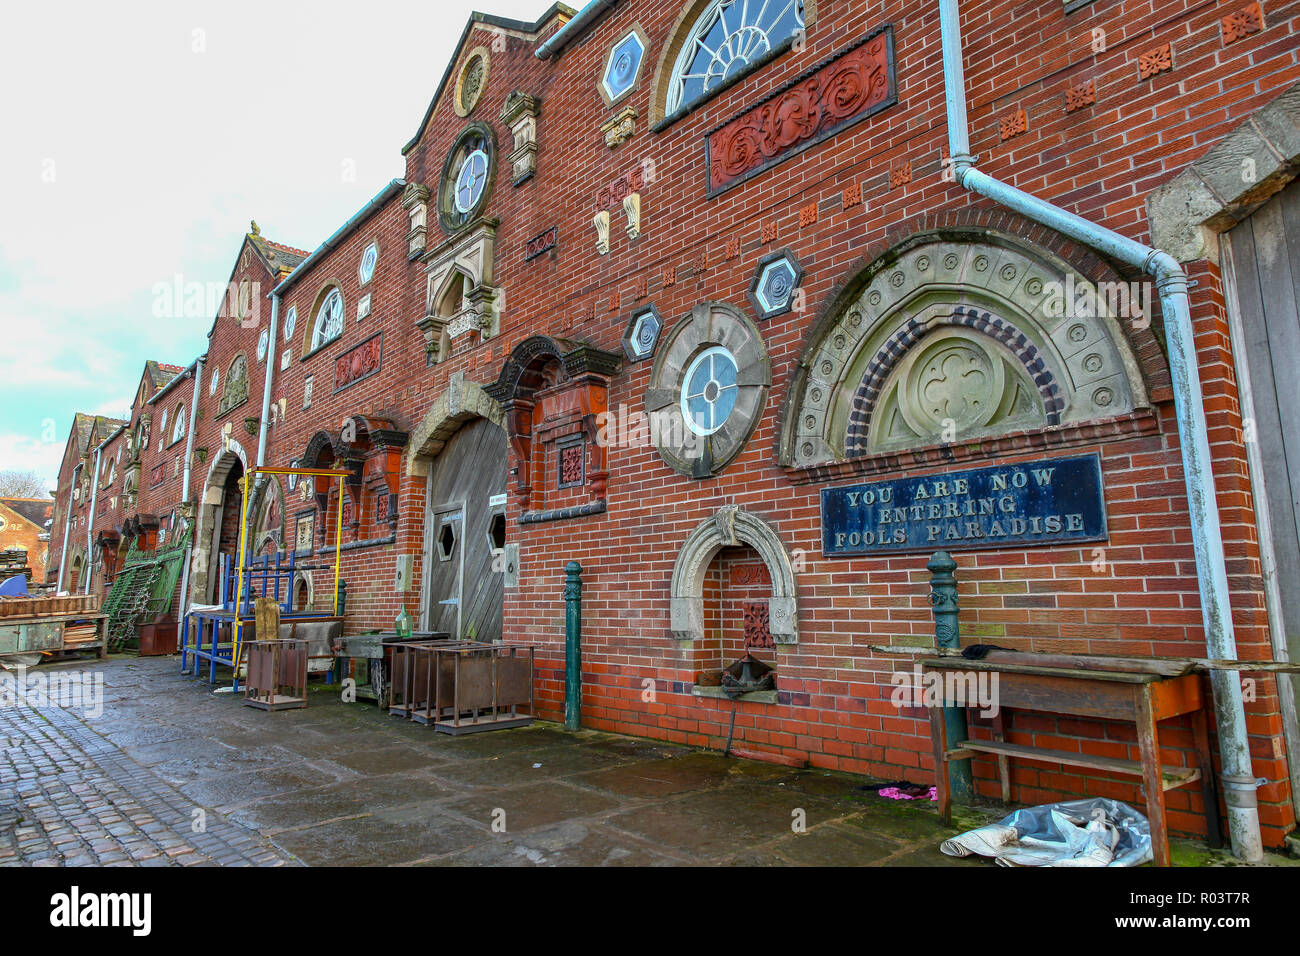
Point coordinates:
[[339, 783]]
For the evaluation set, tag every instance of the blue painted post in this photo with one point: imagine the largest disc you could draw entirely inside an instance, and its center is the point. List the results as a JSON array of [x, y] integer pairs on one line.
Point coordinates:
[[947, 633], [573, 645]]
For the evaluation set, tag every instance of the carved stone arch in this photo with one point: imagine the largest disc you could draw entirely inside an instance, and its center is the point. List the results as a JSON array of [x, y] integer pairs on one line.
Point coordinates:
[[523, 373], [207, 518], [458, 273], [730, 527], [460, 402], [305, 580], [1029, 320], [912, 339]]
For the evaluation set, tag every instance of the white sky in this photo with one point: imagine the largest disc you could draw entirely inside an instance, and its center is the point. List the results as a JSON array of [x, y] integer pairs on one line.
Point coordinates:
[[138, 139]]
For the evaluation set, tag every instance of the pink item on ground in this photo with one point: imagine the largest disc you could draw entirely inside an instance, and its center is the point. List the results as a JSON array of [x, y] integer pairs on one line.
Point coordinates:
[[893, 793]]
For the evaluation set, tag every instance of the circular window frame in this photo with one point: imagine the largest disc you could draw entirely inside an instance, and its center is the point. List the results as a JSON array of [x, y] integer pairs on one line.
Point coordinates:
[[711, 325], [475, 136], [463, 109]]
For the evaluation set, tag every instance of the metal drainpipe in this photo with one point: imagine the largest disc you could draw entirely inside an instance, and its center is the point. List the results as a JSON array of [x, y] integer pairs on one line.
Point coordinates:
[[67, 525], [189, 439], [185, 484], [251, 487], [1239, 781], [266, 385], [90, 525]]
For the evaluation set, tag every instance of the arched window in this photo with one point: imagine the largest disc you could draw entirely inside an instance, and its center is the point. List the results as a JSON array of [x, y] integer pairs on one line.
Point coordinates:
[[179, 424], [727, 38], [329, 320], [236, 391]]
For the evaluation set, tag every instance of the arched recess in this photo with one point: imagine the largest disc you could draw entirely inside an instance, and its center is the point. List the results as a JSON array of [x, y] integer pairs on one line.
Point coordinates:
[[731, 527], [552, 391], [963, 334], [207, 527]]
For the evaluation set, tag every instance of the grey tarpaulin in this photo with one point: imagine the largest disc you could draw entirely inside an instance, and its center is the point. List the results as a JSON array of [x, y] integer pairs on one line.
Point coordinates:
[[1091, 832]]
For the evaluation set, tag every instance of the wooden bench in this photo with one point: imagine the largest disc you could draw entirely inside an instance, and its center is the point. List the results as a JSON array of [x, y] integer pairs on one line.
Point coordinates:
[[1143, 699]]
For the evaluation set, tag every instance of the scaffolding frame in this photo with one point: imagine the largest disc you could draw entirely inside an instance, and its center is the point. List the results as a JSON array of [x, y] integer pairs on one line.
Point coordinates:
[[253, 471]]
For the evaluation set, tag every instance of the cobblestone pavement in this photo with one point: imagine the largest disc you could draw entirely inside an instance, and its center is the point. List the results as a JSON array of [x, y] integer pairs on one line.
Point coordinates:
[[346, 784], [70, 797]]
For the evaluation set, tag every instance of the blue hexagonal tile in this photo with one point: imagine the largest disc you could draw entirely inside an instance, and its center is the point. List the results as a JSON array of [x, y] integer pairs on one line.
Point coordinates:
[[775, 282], [622, 66], [642, 334]]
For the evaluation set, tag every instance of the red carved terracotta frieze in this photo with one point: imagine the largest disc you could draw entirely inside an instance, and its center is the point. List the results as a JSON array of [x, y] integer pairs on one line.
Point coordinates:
[[358, 362], [843, 90]]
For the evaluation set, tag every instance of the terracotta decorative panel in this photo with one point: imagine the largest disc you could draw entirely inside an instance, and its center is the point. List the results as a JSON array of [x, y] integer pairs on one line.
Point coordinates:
[[358, 362], [1242, 23], [572, 464], [844, 90], [758, 633], [544, 242]]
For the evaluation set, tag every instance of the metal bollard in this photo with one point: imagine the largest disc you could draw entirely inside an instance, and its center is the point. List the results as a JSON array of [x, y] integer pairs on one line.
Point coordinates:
[[947, 633], [573, 645]]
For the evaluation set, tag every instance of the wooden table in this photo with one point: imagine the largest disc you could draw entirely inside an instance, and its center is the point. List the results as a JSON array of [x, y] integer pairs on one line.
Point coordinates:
[[1142, 699], [26, 639]]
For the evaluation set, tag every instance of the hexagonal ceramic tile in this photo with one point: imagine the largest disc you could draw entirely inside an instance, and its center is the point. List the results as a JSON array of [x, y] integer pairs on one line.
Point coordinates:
[[622, 66], [642, 334], [773, 290]]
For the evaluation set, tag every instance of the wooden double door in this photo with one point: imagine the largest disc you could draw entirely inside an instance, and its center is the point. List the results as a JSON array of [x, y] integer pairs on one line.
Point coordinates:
[[465, 533]]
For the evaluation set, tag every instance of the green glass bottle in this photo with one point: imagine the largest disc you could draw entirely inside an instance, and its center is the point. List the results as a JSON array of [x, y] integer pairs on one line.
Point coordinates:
[[403, 624]]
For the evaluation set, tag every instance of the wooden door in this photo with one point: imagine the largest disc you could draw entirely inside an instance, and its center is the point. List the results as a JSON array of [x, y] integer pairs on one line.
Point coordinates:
[[1264, 260], [467, 481]]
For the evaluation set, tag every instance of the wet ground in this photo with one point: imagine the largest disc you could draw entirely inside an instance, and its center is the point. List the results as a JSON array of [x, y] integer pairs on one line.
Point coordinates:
[[171, 772]]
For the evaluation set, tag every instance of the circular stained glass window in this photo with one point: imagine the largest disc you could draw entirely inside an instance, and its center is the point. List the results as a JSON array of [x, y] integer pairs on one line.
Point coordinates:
[[466, 183], [709, 391], [471, 180]]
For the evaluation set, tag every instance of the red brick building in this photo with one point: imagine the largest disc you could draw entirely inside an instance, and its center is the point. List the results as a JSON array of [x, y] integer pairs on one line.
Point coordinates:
[[25, 524], [665, 287]]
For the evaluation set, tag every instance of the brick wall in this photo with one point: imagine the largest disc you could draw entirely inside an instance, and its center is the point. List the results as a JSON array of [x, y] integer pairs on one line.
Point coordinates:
[[1100, 159]]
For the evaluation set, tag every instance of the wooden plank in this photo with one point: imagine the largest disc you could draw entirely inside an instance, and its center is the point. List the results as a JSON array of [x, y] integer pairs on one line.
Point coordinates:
[[1152, 780], [1172, 777], [961, 664], [1163, 666]]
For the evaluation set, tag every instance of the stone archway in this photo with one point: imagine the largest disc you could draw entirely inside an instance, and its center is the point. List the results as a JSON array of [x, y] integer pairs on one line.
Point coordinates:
[[730, 527], [207, 525], [1049, 347], [458, 404]]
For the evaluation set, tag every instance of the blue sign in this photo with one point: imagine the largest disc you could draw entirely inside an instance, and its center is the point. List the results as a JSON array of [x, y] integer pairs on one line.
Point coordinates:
[[1028, 503]]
